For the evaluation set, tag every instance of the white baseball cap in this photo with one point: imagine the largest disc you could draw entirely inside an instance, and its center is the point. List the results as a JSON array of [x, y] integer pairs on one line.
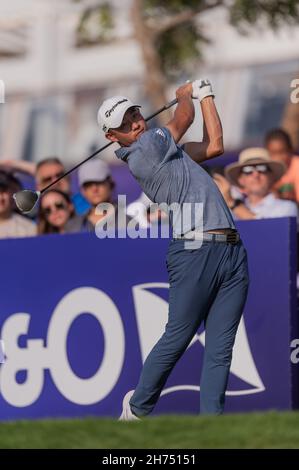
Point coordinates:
[[111, 111], [93, 171]]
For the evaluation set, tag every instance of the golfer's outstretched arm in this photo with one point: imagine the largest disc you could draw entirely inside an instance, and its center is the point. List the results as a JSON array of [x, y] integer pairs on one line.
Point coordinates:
[[184, 113], [212, 143]]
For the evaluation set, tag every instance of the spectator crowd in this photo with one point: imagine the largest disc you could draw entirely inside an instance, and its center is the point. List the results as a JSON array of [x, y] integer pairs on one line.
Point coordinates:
[[263, 183]]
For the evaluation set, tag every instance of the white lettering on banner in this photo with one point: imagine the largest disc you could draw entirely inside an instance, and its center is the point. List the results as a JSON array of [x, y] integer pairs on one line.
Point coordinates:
[[2, 352], [94, 389], [36, 357], [294, 97], [295, 353], [151, 315], [30, 359]]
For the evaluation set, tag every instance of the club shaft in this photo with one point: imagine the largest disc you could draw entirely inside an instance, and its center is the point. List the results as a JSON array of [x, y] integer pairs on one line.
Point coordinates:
[[166, 106], [75, 167]]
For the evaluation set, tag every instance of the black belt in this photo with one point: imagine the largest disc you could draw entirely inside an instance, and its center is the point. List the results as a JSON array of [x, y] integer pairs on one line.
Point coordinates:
[[232, 237]]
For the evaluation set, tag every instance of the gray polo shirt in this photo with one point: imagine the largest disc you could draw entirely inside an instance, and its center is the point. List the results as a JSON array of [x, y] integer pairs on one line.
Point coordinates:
[[168, 175]]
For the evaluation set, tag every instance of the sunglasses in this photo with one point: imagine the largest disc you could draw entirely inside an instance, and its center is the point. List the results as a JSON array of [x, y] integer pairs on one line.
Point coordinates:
[[59, 206], [89, 184], [49, 179], [249, 169], [133, 113]]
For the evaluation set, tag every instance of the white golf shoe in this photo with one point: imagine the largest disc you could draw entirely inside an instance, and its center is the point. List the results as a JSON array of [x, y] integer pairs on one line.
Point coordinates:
[[127, 414]]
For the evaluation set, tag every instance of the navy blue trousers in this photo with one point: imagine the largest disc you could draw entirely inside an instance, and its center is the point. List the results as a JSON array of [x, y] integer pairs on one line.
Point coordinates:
[[207, 284]]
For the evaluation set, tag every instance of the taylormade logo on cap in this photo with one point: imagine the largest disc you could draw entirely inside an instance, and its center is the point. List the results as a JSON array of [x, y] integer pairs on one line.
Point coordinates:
[[108, 113], [112, 111]]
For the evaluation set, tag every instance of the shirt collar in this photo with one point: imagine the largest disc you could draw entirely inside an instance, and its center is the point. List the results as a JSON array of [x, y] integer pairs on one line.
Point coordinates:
[[123, 152]]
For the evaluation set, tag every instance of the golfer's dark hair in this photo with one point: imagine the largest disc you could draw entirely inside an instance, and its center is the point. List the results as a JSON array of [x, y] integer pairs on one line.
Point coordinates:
[[48, 160], [44, 225], [279, 134]]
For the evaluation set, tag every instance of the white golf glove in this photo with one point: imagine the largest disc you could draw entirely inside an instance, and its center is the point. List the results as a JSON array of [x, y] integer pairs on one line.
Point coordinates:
[[202, 89]]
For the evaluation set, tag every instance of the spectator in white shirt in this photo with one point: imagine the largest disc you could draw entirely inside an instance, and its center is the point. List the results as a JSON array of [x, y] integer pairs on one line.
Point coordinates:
[[254, 174]]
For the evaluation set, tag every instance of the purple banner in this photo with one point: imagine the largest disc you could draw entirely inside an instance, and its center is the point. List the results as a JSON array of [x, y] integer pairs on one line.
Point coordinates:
[[79, 315]]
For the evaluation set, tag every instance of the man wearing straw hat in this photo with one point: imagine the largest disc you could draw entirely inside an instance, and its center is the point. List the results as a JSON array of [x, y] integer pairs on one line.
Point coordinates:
[[254, 174]]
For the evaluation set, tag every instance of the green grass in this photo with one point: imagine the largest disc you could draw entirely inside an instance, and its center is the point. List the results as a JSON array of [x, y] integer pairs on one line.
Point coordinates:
[[257, 430]]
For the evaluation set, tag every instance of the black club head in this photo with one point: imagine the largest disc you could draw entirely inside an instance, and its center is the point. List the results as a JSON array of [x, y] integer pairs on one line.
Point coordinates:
[[25, 200]]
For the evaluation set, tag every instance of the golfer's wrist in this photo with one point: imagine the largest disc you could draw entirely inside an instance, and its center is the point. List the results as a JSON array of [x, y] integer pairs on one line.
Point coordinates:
[[184, 98]]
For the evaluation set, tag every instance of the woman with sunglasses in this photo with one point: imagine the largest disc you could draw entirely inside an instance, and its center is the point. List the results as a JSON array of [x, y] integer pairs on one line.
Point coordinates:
[[56, 209]]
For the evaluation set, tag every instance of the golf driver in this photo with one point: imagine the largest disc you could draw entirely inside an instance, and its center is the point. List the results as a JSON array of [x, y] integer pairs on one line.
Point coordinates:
[[26, 199]]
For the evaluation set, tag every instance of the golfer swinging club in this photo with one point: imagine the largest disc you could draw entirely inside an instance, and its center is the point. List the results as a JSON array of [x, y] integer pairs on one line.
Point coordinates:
[[207, 284]]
